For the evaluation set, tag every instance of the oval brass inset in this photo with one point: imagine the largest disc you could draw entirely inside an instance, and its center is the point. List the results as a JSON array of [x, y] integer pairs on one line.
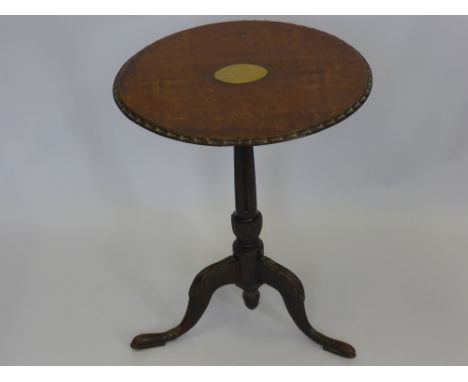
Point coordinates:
[[240, 73]]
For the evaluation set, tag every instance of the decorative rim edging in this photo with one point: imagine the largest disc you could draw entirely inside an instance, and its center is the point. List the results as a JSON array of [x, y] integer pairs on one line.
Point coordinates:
[[134, 117]]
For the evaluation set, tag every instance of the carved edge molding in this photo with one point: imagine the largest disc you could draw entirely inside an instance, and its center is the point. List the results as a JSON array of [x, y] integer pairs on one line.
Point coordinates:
[[151, 126]]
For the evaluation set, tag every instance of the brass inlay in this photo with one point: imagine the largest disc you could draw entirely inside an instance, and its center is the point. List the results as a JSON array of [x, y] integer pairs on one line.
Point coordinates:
[[240, 73], [152, 126]]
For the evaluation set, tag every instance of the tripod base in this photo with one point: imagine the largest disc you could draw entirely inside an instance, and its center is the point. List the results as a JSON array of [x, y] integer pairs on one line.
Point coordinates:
[[232, 271], [247, 268]]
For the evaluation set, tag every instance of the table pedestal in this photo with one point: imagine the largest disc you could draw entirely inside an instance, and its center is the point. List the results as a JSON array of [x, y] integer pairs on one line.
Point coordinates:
[[247, 268]]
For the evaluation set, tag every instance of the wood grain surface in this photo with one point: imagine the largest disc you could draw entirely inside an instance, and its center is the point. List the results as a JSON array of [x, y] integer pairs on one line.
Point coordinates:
[[314, 81]]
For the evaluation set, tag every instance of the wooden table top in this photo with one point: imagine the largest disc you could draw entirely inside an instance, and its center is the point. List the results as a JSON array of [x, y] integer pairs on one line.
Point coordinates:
[[242, 83]]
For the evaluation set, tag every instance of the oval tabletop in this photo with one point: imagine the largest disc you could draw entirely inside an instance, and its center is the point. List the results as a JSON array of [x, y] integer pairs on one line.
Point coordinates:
[[243, 83]]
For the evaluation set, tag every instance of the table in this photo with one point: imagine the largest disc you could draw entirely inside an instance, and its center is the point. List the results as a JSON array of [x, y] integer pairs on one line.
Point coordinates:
[[243, 84]]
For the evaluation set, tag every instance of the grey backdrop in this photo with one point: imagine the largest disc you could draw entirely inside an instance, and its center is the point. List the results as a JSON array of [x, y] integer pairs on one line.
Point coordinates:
[[103, 224]]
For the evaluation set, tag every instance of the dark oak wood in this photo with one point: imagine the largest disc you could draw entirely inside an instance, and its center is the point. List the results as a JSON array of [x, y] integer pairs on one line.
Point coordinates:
[[187, 87], [247, 268], [314, 81]]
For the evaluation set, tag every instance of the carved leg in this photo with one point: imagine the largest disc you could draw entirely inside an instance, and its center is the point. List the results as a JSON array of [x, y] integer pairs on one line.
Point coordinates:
[[292, 291], [204, 285]]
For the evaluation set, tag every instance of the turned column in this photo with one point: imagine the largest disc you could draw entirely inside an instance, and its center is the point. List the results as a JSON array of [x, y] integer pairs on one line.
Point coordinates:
[[246, 224]]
